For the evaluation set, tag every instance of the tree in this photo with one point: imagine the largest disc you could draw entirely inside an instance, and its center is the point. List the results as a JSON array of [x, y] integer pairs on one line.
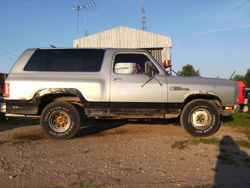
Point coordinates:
[[2, 79], [239, 77], [247, 77], [1, 84], [188, 70]]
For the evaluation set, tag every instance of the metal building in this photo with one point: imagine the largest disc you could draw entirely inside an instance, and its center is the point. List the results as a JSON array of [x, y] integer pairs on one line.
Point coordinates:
[[125, 37]]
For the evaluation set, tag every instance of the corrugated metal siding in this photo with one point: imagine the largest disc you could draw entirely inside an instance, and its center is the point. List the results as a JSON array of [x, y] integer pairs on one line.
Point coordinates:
[[157, 53], [125, 37]]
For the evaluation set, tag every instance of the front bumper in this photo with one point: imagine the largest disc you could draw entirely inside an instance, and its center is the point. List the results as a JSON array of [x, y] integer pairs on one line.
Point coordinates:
[[228, 111], [236, 109]]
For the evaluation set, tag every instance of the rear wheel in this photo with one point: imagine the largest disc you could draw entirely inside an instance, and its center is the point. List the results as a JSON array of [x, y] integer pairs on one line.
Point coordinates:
[[200, 118], [60, 120]]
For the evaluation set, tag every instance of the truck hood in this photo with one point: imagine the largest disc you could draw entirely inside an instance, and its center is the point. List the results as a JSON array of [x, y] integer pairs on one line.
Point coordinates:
[[207, 81], [225, 90]]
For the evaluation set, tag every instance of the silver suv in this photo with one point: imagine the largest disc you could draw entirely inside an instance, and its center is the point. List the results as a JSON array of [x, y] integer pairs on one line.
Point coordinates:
[[63, 86]]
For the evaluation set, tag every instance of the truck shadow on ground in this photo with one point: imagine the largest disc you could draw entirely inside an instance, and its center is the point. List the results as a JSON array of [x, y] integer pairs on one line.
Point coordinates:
[[12, 123], [233, 164], [95, 127]]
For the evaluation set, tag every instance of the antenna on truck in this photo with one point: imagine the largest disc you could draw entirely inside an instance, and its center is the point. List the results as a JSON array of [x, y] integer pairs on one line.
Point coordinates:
[[232, 75]]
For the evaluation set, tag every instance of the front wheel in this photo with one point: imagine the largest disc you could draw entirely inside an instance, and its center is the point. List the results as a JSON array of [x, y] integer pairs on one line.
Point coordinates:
[[60, 120], [200, 118]]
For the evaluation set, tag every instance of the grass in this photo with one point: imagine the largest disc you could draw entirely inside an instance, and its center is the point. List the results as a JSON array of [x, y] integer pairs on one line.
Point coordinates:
[[243, 143], [184, 144], [200, 186], [180, 144], [209, 140], [227, 159], [237, 120], [247, 132]]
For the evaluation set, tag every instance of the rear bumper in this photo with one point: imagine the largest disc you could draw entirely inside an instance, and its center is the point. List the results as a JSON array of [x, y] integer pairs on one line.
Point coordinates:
[[22, 107], [2, 108]]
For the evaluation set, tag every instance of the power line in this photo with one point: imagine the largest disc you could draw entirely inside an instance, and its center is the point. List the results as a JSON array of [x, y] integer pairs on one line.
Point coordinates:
[[6, 62], [8, 52], [6, 56]]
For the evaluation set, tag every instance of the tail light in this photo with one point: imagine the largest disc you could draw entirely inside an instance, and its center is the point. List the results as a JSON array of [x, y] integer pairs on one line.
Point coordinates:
[[6, 89], [243, 91]]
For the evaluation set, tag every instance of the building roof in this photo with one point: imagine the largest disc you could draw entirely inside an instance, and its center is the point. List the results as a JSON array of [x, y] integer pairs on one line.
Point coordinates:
[[124, 37]]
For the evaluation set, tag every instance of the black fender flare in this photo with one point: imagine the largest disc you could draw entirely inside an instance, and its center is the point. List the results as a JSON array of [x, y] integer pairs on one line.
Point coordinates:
[[201, 95], [68, 91]]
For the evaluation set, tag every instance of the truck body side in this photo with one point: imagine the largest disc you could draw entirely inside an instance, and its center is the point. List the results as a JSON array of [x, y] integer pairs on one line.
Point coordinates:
[[108, 92]]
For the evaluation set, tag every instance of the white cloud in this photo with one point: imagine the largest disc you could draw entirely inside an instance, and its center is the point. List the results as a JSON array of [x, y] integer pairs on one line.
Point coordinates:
[[223, 29]]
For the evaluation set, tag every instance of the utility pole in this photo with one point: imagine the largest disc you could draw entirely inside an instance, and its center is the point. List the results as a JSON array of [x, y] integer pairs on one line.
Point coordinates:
[[78, 8], [143, 18]]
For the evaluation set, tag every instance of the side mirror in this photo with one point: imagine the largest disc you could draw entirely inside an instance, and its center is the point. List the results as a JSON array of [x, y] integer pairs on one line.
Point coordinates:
[[149, 72], [148, 68]]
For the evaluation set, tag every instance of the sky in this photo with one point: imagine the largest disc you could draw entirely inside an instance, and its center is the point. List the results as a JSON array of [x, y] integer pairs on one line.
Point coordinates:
[[211, 35]]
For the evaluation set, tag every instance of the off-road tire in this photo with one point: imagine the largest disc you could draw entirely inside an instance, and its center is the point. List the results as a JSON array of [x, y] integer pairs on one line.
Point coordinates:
[[200, 118], [60, 120]]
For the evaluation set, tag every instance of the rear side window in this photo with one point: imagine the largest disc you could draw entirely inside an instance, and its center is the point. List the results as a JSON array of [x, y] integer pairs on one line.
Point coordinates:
[[66, 60]]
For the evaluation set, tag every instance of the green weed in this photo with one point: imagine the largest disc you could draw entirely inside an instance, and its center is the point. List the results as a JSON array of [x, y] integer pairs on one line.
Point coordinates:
[[180, 144], [237, 120]]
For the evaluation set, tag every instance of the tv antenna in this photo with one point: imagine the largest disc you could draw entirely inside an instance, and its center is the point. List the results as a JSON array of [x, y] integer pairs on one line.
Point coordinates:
[[143, 18], [78, 8]]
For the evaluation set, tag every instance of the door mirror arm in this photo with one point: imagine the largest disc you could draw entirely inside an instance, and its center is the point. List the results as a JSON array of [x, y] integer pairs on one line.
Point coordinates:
[[150, 73]]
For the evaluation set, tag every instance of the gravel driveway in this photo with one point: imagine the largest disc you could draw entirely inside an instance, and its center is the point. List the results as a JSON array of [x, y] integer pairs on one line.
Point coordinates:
[[122, 154]]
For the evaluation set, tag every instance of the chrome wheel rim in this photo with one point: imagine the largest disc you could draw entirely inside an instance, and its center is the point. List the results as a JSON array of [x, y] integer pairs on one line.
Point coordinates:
[[59, 121], [201, 119]]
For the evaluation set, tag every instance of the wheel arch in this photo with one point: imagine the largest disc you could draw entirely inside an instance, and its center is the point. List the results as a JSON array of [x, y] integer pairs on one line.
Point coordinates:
[[206, 96], [48, 95]]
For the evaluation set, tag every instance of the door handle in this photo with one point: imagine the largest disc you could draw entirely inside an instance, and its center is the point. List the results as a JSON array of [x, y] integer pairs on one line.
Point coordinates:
[[117, 79]]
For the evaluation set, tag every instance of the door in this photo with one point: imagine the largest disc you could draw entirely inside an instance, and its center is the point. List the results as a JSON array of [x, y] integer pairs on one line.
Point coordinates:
[[129, 83]]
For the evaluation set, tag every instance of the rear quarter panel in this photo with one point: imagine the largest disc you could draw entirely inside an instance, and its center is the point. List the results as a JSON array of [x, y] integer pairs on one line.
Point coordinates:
[[94, 86]]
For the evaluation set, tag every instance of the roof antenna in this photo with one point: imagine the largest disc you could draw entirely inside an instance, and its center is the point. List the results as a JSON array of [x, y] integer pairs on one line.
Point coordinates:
[[232, 75]]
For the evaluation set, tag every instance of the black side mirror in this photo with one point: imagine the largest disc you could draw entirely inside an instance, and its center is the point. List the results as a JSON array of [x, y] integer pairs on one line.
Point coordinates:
[[150, 73]]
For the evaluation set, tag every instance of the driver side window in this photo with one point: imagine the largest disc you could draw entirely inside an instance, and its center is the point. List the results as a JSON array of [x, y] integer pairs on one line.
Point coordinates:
[[131, 64]]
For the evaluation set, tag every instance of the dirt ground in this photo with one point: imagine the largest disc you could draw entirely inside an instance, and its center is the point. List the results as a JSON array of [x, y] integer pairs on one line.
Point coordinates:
[[121, 154]]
